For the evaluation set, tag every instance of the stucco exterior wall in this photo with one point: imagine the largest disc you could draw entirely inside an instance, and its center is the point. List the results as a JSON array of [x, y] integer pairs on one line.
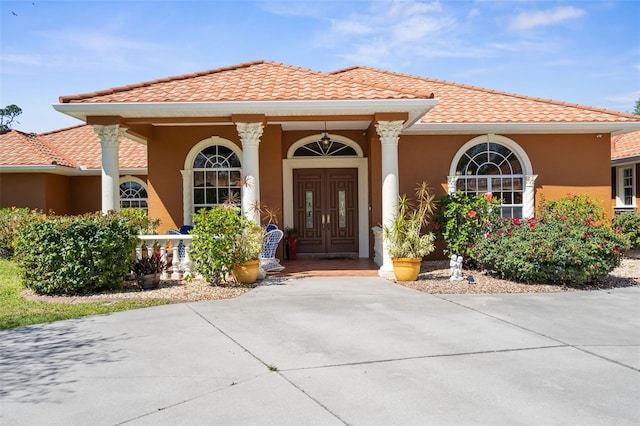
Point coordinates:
[[564, 163], [86, 194], [58, 196], [23, 190]]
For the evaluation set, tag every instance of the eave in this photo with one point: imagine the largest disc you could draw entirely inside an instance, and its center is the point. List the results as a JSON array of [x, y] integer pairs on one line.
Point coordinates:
[[65, 171], [613, 128], [283, 110]]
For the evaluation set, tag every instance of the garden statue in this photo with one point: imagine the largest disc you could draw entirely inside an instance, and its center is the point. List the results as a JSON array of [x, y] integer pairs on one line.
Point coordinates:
[[455, 267]]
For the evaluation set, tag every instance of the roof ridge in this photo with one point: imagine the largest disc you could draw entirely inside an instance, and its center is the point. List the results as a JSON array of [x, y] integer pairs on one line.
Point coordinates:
[[428, 95], [50, 150], [63, 129], [492, 91], [118, 89]]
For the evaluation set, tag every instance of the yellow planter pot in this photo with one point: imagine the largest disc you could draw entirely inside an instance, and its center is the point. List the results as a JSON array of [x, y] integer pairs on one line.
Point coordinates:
[[406, 269], [247, 273]]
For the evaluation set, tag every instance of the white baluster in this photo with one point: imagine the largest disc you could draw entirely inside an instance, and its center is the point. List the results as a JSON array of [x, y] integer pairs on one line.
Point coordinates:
[[176, 264]]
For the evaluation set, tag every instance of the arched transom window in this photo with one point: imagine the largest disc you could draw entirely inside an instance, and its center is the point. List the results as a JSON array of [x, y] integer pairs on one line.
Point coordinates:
[[133, 194], [320, 149], [216, 177], [492, 167]]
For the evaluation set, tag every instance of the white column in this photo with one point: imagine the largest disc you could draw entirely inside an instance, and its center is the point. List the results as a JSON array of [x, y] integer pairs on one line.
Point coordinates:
[[528, 198], [187, 197], [389, 132], [250, 137], [110, 142]]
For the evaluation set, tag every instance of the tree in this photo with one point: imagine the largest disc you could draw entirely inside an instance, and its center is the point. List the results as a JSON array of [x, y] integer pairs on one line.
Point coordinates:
[[7, 115], [636, 110]]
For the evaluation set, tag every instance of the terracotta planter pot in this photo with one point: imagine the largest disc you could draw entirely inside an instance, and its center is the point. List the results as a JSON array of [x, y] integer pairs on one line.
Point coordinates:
[[247, 273], [406, 269], [149, 281]]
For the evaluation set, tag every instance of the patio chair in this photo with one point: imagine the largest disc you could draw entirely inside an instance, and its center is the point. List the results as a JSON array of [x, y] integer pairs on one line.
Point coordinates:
[[268, 260]]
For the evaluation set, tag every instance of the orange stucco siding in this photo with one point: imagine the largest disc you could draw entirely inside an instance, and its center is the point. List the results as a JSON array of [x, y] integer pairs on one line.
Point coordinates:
[[23, 190], [58, 195]]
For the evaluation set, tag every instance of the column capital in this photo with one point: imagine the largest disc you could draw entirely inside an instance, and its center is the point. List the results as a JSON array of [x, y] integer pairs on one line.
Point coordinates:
[[110, 134], [389, 131], [250, 133], [531, 180]]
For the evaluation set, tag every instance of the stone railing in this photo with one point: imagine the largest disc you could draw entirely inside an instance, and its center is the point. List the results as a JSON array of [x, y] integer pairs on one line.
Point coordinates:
[[174, 251]]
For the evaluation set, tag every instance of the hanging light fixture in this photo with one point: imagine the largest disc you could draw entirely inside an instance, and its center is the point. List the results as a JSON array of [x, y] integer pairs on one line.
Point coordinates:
[[325, 140]]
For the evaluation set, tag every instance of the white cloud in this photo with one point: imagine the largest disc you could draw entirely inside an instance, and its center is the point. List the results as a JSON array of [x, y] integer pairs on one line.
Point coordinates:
[[539, 18]]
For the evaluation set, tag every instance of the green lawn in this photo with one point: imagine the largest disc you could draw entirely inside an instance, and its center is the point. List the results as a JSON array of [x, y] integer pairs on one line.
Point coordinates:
[[16, 311]]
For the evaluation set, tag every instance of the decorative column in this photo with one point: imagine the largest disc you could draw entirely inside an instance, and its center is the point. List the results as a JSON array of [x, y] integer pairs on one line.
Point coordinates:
[[389, 132], [250, 134], [110, 142], [187, 197], [528, 198]]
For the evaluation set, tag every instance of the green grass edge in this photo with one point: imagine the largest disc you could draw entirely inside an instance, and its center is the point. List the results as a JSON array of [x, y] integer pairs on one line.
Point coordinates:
[[16, 311]]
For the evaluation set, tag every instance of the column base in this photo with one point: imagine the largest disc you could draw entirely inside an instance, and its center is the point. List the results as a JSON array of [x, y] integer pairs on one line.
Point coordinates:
[[387, 274]]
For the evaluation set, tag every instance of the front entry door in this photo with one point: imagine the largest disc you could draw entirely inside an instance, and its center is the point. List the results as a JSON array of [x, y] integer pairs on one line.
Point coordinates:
[[326, 210]]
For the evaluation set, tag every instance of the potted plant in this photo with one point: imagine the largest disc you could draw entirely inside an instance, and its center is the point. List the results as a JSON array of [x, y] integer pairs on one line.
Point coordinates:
[[405, 241], [147, 269], [249, 247], [291, 242], [225, 244]]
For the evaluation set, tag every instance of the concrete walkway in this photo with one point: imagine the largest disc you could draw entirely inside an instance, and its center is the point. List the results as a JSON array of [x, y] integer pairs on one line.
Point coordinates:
[[334, 351]]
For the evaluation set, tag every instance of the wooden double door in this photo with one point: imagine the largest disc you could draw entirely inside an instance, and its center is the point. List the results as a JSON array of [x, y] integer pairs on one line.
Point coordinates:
[[326, 210]]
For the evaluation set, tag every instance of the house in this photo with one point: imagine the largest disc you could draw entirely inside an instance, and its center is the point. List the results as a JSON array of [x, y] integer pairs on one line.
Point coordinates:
[[625, 165], [60, 171], [333, 151]]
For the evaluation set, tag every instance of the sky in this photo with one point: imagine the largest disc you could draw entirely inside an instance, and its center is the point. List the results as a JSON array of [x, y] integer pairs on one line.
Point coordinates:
[[585, 52]]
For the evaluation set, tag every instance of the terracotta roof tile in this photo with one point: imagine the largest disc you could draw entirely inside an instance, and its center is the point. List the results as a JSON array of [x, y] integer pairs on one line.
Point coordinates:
[[459, 103], [251, 81], [73, 147], [625, 146], [28, 149], [83, 145]]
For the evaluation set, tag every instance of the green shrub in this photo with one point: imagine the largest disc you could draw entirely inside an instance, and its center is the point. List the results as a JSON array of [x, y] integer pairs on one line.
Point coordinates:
[[568, 244], [76, 255], [10, 220], [462, 220], [223, 240], [139, 218], [629, 224]]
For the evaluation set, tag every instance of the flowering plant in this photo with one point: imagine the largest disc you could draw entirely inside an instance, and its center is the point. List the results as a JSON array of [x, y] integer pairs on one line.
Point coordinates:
[[462, 220], [404, 237], [565, 244], [224, 239]]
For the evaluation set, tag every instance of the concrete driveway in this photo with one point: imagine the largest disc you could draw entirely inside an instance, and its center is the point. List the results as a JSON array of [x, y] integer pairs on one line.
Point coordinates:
[[357, 351]]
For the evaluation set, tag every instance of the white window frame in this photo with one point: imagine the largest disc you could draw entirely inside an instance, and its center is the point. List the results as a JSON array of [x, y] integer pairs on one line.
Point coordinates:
[[187, 173], [620, 185], [137, 180], [528, 190]]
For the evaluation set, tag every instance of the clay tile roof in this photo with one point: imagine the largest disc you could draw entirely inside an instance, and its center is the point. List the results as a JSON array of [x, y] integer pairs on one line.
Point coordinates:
[[459, 103], [83, 145], [251, 81], [72, 147], [27, 149], [625, 146]]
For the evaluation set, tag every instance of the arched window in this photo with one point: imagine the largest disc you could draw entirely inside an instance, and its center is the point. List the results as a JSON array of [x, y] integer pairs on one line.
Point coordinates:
[[320, 149], [493, 165], [133, 193], [216, 177]]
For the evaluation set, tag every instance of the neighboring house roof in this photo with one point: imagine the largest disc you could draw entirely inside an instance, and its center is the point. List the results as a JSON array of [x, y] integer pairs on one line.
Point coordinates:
[[83, 145], [77, 148], [28, 149], [625, 147], [251, 81], [459, 103]]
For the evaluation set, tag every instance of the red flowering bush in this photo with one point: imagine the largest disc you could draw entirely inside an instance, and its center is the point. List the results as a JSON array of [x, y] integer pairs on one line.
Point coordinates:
[[462, 220], [568, 243]]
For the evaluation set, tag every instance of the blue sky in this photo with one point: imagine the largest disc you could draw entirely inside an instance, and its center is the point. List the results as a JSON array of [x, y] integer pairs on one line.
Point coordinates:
[[585, 52]]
